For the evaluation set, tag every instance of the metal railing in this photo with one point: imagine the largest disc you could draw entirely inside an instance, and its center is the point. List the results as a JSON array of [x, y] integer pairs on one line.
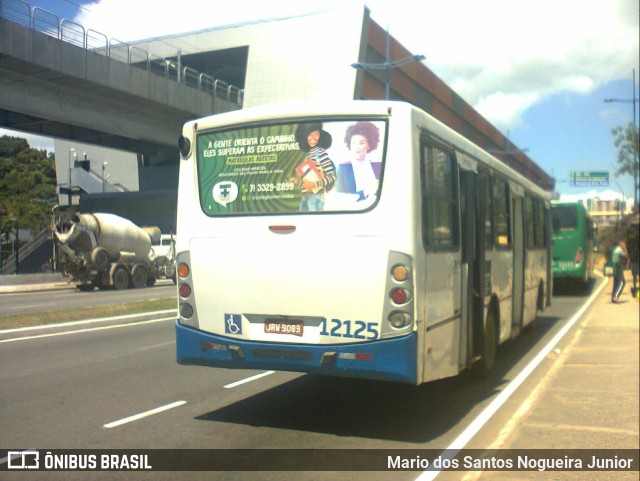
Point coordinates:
[[37, 18]]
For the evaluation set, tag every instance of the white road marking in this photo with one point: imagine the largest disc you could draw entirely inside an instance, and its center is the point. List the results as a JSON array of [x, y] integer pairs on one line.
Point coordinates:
[[249, 379], [87, 321], [478, 423], [156, 346], [144, 414], [115, 326]]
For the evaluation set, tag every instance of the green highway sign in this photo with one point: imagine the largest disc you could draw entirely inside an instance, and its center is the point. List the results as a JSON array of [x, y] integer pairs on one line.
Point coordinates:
[[580, 178]]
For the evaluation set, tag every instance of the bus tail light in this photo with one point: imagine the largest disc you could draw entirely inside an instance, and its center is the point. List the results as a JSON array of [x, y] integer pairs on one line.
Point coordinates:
[[399, 319], [400, 273], [579, 257], [187, 313], [184, 290], [399, 307], [186, 310], [183, 270], [399, 296]]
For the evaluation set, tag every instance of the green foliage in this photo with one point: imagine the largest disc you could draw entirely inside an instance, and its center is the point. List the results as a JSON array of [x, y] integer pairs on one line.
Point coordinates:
[[626, 141], [608, 237], [27, 184]]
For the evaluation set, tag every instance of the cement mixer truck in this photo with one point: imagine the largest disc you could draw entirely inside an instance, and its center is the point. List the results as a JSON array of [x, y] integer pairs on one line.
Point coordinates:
[[103, 250]]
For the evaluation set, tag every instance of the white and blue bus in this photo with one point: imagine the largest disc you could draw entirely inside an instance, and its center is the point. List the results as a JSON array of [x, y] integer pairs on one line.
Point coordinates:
[[365, 239]]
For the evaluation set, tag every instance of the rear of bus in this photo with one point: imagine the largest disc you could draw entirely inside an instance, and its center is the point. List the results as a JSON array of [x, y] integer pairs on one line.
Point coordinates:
[[276, 273], [572, 243]]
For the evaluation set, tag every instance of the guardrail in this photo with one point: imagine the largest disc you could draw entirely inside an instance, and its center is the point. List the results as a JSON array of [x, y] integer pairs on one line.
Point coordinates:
[[43, 21]]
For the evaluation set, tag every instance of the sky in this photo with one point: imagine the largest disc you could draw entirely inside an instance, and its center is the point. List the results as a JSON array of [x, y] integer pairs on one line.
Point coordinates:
[[539, 71]]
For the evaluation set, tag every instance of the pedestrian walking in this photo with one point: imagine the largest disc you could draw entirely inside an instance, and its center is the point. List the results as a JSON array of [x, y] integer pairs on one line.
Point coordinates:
[[620, 260]]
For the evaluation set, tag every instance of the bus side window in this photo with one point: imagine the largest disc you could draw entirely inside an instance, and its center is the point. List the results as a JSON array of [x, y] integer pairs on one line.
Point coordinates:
[[489, 220], [440, 208], [501, 214], [530, 222], [540, 223]]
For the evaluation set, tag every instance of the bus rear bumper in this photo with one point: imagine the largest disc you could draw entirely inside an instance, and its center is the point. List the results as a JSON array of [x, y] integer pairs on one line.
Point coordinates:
[[387, 359]]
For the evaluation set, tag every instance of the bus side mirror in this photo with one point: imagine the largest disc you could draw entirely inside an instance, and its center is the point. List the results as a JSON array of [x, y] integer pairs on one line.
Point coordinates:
[[185, 146]]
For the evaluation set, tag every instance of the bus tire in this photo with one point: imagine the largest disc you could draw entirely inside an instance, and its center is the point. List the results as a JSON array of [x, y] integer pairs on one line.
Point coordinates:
[[484, 366], [120, 278], [540, 304]]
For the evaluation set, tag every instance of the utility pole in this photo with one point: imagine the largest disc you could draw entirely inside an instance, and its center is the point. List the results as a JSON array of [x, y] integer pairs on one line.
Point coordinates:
[[633, 101]]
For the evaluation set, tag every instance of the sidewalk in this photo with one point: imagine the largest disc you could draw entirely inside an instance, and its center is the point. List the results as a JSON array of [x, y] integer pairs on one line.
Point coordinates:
[[34, 282], [589, 397]]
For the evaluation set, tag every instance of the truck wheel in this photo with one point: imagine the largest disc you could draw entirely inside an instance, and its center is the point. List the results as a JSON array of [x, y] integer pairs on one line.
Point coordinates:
[[120, 278], [139, 278], [100, 257]]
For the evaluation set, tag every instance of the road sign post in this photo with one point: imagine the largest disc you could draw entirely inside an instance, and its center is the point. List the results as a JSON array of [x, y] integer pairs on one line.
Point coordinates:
[[581, 178]]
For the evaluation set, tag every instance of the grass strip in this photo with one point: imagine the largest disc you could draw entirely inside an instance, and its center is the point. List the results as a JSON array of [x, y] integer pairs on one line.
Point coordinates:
[[54, 317]]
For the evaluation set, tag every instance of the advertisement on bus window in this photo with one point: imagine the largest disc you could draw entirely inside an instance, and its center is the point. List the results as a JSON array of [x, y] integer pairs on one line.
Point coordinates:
[[291, 168]]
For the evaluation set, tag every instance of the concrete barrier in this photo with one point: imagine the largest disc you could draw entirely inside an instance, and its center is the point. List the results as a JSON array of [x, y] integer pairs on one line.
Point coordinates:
[[23, 279]]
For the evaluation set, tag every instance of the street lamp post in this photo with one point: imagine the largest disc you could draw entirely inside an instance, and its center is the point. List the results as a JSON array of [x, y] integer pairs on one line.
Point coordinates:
[[69, 196], [16, 241], [104, 165], [633, 101], [388, 65]]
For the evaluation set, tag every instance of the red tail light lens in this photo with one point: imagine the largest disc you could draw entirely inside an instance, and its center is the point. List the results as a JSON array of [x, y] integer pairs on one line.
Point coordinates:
[[579, 256], [184, 290], [399, 296]]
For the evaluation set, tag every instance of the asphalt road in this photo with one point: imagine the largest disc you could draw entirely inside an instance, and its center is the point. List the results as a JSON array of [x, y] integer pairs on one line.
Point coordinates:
[[72, 298], [81, 390]]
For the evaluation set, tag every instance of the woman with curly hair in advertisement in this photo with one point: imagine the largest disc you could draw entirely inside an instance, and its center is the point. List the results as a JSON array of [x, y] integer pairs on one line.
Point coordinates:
[[362, 174]]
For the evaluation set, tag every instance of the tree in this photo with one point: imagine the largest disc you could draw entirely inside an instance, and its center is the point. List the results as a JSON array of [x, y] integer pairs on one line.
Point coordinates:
[[626, 141], [27, 184]]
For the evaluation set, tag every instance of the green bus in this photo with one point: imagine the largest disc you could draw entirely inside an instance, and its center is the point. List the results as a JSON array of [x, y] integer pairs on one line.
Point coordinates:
[[573, 242]]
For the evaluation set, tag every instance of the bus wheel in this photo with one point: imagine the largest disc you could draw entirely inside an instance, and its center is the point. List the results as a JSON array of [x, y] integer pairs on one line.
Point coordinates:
[[487, 360], [120, 278], [540, 305]]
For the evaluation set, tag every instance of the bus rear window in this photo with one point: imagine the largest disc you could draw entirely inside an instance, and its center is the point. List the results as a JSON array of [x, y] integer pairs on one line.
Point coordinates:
[[564, 218], [330, 166]]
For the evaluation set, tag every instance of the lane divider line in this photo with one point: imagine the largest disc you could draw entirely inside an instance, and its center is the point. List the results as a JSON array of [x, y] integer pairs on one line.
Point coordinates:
[[249, 379], [487, 413], [145, 414], [115, 326]]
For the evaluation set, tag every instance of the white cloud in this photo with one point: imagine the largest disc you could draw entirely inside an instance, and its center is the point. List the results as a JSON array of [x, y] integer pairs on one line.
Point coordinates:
[[35, 141], [505, 109], [149, 18], [502, 56]]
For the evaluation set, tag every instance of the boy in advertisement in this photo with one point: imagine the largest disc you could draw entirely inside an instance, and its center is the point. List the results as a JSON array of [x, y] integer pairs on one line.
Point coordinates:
[[317, 173]]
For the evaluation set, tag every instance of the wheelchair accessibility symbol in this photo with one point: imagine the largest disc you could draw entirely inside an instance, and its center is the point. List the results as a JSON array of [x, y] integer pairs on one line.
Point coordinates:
[[233, 324]]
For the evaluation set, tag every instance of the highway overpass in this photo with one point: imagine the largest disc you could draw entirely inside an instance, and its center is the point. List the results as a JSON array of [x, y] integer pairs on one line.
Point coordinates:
[[58, 80]]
